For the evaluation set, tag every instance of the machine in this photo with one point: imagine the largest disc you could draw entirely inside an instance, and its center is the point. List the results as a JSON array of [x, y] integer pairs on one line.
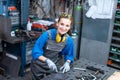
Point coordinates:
[[13, 17]]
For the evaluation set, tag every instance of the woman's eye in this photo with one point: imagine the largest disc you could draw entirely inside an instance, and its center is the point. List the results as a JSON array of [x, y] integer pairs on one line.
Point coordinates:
[[67, 25], [62, 24]]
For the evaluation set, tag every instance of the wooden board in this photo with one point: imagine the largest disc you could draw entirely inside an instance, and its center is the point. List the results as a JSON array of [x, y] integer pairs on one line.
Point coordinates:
[[115, 76]]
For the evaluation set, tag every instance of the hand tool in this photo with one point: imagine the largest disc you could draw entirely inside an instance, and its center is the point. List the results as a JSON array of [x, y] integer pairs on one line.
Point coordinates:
[[95, 69]]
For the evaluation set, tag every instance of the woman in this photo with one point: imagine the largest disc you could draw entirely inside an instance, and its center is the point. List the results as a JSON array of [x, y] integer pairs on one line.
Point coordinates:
[[50, 45]]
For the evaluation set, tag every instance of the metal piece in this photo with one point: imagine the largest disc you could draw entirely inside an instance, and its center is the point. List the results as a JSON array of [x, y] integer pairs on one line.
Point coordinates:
[[76, 68], [95, 69], [94, 77]]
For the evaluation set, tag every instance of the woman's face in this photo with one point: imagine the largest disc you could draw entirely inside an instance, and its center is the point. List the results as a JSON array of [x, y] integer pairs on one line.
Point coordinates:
[[63, 26]]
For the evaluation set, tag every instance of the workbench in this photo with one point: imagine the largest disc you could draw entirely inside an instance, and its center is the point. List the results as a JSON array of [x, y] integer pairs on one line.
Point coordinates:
[[78, 70], [18, 52]]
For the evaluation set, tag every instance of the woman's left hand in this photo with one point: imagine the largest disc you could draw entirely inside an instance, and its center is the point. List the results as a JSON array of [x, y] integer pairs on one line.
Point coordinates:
[[65, 67]]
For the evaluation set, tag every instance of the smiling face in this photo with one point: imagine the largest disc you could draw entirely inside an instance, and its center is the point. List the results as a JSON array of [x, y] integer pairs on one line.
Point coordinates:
[[63, 25]]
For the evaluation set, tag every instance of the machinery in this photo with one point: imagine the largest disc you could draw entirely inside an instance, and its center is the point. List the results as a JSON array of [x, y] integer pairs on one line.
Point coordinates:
[[13, 18], [17, 42]]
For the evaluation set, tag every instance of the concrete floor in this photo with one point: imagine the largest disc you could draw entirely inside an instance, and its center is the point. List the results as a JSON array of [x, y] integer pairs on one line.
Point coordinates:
[[27, 76]]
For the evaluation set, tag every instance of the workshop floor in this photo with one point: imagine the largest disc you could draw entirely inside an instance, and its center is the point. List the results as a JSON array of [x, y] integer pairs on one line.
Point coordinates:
[[26, 77]]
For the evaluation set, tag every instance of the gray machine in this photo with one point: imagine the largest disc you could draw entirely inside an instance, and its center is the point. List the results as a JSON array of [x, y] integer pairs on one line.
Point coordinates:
[[96, 37]]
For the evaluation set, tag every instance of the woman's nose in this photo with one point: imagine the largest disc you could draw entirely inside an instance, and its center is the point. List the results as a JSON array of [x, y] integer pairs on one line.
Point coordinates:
[[64, 27]]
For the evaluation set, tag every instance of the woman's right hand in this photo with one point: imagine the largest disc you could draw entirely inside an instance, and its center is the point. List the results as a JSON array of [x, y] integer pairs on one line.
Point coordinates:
[[51, 65]]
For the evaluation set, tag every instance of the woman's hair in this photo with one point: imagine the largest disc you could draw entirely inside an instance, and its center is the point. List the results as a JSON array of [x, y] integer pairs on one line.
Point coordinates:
[[64, 15]]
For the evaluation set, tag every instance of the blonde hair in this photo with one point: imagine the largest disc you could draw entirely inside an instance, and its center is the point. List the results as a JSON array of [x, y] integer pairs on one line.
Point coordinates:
[[64, 15]]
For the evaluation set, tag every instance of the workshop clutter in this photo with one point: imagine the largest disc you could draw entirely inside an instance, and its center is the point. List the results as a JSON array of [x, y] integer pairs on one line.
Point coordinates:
[[41, 25], [84, 69], [117, 28], [114, 55], [51, 9], [118, 6], [12, 8], [115, 49], [117, 21]]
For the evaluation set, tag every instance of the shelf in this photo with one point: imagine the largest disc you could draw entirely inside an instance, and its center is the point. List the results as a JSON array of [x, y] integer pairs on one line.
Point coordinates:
[[115, 52], [116, 24], [115, 45], [117, 9], [114, 65], [117, 16], [116, 38], [117, 60], [116, 31]]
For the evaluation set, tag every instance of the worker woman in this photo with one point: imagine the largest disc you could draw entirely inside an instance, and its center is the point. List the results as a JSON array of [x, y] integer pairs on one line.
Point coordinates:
[[50, 45]]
